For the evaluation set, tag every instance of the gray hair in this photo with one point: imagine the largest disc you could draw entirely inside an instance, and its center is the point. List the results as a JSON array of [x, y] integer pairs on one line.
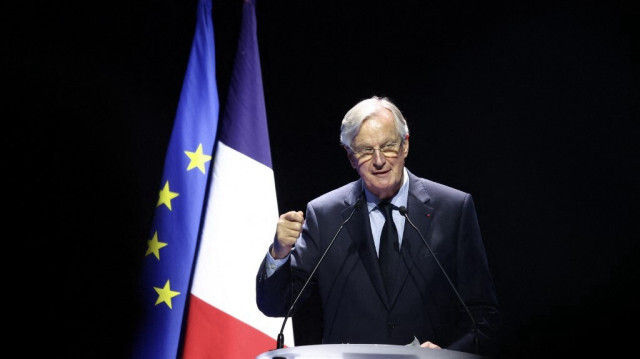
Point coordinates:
[[363, 110]]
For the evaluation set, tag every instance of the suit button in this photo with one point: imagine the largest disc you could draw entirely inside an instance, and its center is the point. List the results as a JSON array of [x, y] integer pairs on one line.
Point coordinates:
[[391, 325]]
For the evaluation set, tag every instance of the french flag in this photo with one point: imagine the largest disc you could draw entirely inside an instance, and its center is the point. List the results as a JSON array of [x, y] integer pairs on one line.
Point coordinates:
[[240, 221]]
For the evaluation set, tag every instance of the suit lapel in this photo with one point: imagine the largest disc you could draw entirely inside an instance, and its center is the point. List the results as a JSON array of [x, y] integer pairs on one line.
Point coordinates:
[[359, 228], [420, 213]]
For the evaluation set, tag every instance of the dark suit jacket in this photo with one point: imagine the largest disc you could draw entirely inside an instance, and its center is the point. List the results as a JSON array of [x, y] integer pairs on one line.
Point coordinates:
[[355, 307]]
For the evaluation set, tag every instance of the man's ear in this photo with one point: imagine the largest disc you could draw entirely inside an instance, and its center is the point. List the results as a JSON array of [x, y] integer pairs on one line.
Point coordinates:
[[405, 146]]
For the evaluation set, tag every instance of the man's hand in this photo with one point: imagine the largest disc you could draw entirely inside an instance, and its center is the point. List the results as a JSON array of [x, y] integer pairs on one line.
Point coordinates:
[[287, 233], [429, 344]]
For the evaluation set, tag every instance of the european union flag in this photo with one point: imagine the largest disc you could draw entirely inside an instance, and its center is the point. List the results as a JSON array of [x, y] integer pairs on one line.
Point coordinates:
[[172, 244]]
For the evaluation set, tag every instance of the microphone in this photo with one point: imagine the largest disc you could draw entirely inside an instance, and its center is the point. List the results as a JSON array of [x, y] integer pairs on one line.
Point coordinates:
[[280, 342], [403, 211]]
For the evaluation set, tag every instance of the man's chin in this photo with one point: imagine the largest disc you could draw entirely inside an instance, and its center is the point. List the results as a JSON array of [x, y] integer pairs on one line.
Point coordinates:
[[381, 190]]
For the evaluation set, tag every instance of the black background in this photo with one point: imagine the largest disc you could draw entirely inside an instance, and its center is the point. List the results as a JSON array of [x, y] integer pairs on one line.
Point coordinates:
[[530, 106]]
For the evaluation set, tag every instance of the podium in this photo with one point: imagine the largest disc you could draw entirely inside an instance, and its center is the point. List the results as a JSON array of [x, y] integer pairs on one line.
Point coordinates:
[[364, 351]]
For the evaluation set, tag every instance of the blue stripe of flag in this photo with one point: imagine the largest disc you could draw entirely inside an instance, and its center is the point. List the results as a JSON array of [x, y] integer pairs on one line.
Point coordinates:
[[243, 125]]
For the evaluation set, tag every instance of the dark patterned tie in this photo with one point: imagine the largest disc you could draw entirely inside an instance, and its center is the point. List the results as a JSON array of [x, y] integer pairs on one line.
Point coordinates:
[[389, 255]]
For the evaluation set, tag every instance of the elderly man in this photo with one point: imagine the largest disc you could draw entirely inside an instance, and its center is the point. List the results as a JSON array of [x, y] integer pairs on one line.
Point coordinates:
[[400, 253]]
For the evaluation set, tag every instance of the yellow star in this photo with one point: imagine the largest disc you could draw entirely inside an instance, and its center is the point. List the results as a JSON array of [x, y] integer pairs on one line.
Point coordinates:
[[166, 196], [154, 246], [198, 159], [165, 294]]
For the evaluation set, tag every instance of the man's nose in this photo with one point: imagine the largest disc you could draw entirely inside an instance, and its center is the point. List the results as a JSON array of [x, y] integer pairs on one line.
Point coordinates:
[[378, 158]]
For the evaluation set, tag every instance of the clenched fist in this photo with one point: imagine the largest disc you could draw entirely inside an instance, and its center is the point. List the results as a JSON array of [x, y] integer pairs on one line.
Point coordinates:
[[287, 233]]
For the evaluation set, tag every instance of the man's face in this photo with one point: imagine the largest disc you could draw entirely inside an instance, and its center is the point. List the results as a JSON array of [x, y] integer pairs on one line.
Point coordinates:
[[378, 155]]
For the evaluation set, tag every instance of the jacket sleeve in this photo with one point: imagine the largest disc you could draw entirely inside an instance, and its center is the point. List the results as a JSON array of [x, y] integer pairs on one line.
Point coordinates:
[[476, 287], [274, 293]]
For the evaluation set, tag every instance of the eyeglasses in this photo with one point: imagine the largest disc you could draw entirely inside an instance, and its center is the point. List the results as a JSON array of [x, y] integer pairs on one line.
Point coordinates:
[[388, 150]]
